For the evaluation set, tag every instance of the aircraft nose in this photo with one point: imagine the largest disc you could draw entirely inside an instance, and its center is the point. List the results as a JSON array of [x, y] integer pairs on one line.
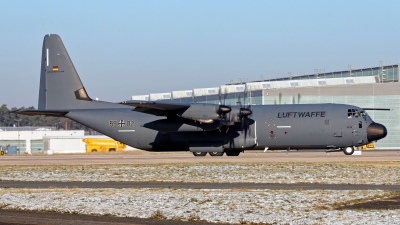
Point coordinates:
[[376, 131]]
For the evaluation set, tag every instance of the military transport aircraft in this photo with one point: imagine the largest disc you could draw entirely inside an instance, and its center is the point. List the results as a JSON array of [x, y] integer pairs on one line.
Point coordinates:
[[197, 127]]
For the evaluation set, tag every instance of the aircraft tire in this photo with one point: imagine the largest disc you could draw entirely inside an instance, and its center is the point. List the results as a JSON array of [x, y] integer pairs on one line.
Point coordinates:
[[348, 150], [233, 153], [199, 153], [216, 153], [94, 150]]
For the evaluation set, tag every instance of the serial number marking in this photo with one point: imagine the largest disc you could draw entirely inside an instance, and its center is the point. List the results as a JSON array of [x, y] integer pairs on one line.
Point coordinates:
[[121, 123]]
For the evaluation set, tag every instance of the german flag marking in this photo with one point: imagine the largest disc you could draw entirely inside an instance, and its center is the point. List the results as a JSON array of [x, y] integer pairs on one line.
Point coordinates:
[[55, 68]]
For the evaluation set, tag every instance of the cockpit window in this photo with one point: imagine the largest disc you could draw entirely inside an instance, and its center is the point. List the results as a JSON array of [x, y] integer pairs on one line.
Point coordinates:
[[352, 113]]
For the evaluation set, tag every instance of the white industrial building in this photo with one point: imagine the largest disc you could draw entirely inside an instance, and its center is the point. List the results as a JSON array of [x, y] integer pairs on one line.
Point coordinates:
[[31, 141]]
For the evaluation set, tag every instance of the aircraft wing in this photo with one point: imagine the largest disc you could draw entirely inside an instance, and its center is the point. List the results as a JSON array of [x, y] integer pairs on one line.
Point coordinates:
[[32, 112], [157, 108]]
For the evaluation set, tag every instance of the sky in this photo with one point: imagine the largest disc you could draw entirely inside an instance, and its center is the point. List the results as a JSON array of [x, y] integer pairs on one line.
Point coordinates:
[[125, 48]]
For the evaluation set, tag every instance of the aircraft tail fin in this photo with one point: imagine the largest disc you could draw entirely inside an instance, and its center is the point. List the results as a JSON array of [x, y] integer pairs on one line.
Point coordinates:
[[60, 86]]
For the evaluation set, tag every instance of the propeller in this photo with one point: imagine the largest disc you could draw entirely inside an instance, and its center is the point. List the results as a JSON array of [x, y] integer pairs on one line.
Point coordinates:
[[224, 109], [244, 112], [298, 98]]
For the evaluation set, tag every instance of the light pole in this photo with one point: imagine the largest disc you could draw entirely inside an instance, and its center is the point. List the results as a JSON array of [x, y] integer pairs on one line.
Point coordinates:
[[18, 135]]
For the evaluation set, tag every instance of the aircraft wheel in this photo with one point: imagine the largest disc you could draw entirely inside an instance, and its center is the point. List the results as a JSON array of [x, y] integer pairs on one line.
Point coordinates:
[[216, 153], [233, 153], [199, 153], [348, 150], [94, 150]]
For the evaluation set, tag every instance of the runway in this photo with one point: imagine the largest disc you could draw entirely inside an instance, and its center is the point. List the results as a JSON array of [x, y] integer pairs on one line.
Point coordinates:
[[15, 217], [18, 184], [187, 157], [27, 217]]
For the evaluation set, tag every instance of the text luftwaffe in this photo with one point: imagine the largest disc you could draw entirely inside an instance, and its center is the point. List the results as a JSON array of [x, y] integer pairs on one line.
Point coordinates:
[[301, 114]]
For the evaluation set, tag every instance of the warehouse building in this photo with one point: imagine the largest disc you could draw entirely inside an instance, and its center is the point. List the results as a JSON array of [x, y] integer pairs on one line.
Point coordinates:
[[376, 87], [29, 140]]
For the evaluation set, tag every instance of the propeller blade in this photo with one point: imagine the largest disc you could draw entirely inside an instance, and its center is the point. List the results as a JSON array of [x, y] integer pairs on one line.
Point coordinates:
[[238, 101], [225, 94], [298, 98], [242, 126], [219, 96], [244, 98]]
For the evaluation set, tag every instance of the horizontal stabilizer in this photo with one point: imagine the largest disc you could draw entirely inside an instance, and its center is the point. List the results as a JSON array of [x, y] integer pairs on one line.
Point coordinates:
[[55, 113]]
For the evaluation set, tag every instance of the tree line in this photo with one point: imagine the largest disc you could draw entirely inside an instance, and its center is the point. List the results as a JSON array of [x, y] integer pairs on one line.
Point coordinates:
[[8, 119]]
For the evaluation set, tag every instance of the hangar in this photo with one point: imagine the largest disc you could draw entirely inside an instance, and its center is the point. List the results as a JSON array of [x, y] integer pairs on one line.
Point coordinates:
[[375, 87]]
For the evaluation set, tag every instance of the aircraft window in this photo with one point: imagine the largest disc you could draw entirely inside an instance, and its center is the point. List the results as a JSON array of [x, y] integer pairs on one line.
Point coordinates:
[[211, 91], [352, 113], [294, 84], [322, 82], [363, 113]]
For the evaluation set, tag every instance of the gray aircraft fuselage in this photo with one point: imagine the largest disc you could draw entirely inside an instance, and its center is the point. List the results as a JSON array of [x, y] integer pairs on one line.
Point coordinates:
[[300, 126], [164, 126]]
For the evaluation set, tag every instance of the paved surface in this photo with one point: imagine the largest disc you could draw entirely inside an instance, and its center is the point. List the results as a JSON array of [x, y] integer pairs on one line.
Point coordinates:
[[14, 217], [23, 184], [23, 217], [184, 157], [380, 204]]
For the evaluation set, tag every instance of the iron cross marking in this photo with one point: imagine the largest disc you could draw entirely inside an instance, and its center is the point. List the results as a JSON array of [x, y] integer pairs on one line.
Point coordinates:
[[121, 123]]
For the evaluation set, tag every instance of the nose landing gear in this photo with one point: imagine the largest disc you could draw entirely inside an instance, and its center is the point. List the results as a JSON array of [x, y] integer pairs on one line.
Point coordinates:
[[348, 150]]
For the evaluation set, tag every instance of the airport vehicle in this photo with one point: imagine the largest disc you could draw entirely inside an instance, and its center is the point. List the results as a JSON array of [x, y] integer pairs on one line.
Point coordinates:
[[197, 127], [103, 145]]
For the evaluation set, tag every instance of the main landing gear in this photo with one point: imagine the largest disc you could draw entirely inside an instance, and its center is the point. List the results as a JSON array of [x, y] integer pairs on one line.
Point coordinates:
[[216, 153], [199, 153], [228, 153], [348, 150]]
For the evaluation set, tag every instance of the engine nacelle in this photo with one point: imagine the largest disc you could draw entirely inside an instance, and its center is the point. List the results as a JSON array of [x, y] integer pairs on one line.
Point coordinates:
[[204, 113], [237, 114]]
